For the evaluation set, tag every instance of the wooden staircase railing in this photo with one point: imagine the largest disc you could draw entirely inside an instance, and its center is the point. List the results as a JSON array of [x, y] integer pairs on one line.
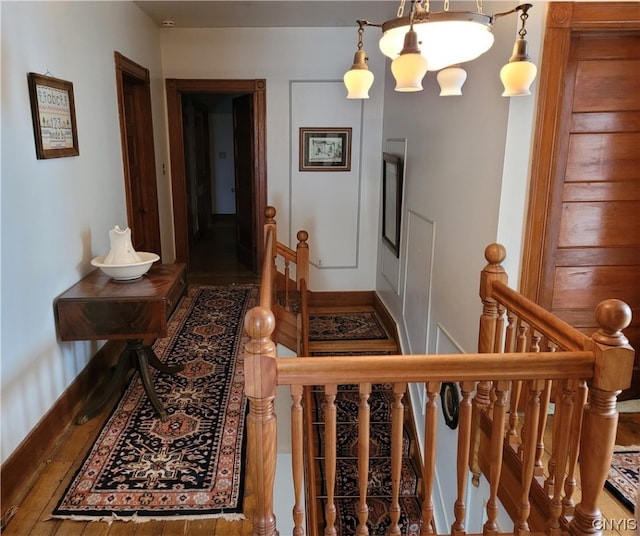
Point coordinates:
[[285, 277], [508, 361]]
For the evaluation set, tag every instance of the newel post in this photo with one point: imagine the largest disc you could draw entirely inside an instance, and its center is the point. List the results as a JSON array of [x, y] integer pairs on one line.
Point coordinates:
[[260, 388], [302, 258], [494, 254], [612, 373]]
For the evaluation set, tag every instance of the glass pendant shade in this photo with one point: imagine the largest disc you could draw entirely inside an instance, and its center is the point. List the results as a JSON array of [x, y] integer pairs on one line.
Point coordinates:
[[443, 42], [410, 66], [409, 70], [358, 83], [451, 81], [518, 75], [517, 78]]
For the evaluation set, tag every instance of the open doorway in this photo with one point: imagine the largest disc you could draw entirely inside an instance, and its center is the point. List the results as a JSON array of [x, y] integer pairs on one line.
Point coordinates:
[[218, 168]]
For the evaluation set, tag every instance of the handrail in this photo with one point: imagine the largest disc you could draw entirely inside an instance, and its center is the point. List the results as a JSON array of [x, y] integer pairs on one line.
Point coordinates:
[[539, 318], [436, 367]]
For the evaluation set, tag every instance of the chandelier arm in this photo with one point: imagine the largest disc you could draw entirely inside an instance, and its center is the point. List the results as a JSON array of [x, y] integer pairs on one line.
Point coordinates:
[[521, 7]]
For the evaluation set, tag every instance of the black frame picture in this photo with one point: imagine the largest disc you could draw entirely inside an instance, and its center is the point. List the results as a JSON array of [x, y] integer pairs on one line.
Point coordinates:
[[391, 201], [325, 149]]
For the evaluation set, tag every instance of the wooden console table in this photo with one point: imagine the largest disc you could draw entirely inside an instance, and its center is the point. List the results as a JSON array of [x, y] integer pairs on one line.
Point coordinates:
[[100, 308]]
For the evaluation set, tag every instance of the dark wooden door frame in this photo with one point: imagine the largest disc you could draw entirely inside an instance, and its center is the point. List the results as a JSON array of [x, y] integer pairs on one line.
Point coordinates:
[[564, 19], [145, 152], [175, 88]]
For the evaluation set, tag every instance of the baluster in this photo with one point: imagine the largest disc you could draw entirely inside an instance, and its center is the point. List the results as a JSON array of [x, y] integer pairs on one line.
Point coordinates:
[[534, 346], [430, 436], [464, 438], [260, 389], [397, 440], [561, 450], [330, 392], [297, 458], [521, 347], [364, 415], [286, 285], [532, 414], [556, 389], [495, 456], [498, 347], [568, 505]]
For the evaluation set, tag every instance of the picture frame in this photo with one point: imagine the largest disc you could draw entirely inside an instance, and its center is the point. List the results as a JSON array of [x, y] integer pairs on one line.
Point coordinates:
[[325, 149], [54, 116], [391, 201]]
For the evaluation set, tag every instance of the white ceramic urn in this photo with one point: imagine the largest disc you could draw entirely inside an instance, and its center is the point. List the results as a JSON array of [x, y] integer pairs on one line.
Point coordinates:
[[121, 251]]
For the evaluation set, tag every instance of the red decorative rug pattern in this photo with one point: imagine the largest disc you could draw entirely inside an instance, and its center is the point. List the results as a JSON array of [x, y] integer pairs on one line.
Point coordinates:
[[190, 465]]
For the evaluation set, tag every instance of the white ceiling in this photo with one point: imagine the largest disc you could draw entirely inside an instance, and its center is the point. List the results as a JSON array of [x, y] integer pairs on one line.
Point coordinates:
[[268, 13]]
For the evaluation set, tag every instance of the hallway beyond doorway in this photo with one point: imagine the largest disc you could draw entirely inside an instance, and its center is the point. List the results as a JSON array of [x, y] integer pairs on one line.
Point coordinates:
[[212, 257]]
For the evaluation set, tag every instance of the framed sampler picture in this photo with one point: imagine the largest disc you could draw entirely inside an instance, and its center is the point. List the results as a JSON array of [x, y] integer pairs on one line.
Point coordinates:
[[54, 116], [325, 149]]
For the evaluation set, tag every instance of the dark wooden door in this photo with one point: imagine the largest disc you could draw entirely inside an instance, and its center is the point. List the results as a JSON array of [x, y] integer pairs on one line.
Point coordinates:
[[243, 148], [202, 168], [134, 102], [588, 228]]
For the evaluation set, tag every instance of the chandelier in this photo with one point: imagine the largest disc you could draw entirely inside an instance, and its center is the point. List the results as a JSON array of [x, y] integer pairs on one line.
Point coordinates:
[[440, 41]]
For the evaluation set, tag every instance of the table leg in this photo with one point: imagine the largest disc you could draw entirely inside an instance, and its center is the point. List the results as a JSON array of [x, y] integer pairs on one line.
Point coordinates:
[[135, 354], [157, 364], [115, 384]]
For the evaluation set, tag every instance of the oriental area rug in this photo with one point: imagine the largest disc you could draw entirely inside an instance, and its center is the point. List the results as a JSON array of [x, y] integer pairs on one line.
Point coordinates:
[[190, 466], [345, 326], [622, 481]]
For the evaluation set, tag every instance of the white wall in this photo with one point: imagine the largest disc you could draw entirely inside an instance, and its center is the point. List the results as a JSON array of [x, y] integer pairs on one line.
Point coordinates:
[[56, 213], [467, 164], [303, 68]]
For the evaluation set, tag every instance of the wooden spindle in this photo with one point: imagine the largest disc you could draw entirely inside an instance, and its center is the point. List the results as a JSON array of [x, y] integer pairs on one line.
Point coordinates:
[[614, 368], [490, 527], [532, 414], [430, 436], [397, 439], [330, 413], [568, 505], [556, 389], [464, 444], [297, 458], [521, 347], [287, 275], [561, 449], [364, 417], [260, 389]]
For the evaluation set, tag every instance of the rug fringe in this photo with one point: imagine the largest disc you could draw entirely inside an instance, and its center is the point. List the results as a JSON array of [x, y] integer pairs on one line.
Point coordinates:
[[144, 519]]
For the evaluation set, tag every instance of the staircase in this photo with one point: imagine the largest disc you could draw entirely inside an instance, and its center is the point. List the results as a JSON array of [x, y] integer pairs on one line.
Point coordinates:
[[357, 323]]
